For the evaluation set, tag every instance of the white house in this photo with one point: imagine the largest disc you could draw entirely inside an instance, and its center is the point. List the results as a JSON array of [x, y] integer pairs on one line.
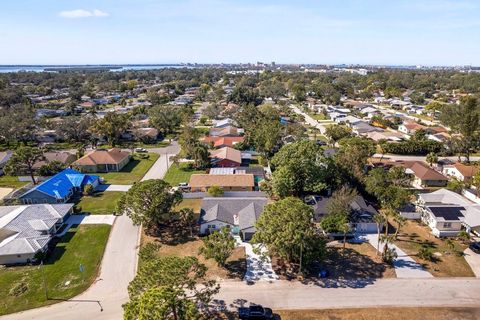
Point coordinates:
[[447, 213], [27, 230], [460, 171]]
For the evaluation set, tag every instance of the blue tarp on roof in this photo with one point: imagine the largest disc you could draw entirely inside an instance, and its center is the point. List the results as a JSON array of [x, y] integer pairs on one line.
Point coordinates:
[[59, 185]]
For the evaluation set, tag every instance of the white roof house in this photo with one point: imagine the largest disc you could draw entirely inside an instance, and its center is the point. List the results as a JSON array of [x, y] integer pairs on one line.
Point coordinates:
[[447, 213], [27, 229]]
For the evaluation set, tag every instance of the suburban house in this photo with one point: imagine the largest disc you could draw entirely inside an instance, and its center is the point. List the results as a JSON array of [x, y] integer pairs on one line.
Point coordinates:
[[238, 214], [59, 188], [422, 174], [103, 160], [27, 230], [4, 157], [410, 127], [447, 213], [65, 158], [223, 123], [360, 218], [221, 142], [258, 172], [228, 182], [228, 131], [226, 157], [460, 171]]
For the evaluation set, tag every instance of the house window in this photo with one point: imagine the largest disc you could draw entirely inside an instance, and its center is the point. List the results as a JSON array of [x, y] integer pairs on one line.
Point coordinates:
[[212, 227], [447, 224]]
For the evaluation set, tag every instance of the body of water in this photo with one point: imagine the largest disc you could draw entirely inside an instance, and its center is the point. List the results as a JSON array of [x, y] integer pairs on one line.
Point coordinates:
[[6, 69]]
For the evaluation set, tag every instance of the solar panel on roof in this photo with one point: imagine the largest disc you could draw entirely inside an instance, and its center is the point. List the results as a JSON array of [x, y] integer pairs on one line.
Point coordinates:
[[448, 213]]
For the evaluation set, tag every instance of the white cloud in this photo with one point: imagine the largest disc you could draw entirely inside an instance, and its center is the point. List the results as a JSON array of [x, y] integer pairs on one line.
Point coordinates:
[[82, 13]]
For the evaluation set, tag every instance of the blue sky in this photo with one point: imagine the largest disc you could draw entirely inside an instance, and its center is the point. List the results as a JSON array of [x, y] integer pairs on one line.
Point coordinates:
[[427, 32]]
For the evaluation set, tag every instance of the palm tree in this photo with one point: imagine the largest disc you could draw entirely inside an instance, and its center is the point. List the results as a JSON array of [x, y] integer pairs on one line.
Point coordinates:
[[400, 220], [200, 156], [431, 158], [387, 239], [380, 220]]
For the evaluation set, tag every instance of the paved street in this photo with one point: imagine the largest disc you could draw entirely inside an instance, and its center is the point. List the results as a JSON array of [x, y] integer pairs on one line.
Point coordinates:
[[405, 266], [160, 167], [110, 288], [309, 120], [341, 294]]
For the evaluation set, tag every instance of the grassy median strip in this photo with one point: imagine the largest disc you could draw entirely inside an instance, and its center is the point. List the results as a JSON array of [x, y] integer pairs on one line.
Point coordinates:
[[21, 287]]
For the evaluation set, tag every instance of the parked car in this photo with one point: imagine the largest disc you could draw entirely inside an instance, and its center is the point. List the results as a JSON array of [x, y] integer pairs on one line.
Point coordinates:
[[183, 186], [140, 150], [255, 313], [475, 247]]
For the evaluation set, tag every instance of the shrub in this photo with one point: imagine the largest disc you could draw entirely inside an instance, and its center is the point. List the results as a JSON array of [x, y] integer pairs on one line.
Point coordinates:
[[215, 191], [389, 255], [149, 251], [88, 190], [426, 254]]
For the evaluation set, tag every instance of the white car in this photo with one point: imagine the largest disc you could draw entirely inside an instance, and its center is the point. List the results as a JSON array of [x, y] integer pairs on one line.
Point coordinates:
[[140, 150]]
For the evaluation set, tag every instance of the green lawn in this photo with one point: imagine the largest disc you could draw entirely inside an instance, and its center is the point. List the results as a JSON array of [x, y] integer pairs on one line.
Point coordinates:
[[84, 244], [132, 172], [318, 116], [99, 203], [11, 182], [180, 173]]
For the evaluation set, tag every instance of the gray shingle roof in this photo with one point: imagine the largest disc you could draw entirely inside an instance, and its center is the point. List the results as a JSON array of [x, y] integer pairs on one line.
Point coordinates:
[[22, 228], [224, 209]]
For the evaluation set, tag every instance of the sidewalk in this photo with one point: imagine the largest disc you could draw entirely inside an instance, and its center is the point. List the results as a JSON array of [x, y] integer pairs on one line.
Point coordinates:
[[405, 267]]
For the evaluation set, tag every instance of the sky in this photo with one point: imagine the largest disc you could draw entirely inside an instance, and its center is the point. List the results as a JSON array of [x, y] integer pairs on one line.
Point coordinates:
[[400, 32]]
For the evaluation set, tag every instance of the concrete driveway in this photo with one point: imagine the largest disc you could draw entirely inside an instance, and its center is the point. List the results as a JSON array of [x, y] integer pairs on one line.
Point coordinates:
[[114, 187], [473, 259], [258, 268], [405, 266], [109, 290]]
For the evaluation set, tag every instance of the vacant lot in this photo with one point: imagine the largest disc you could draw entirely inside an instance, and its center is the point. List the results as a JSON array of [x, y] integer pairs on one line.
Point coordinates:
[[133, 171], [180, 173], [356, 262], [84, 245], [448, 262], [99, 203], [382, 314]]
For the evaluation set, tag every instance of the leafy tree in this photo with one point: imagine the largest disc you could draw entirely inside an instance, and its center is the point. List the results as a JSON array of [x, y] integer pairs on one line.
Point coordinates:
[[201, 156], [476, 181], [244, 95], [286, 228], [213, 110], [218, 246], [300, 167], [465, 120], [23, 160], [188, 140], [149, 203], [51, 168], [169, 288], [75, 130], [432, 158], [215, 191], [165, 118], [352, 157], [456, 185], [111, 126], [337, 132], [186, 218]]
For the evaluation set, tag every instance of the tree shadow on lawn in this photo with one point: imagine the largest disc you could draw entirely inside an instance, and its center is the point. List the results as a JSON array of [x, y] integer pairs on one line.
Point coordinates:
[[171, 235], [236, 268], [57, 247], [131, 165]]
